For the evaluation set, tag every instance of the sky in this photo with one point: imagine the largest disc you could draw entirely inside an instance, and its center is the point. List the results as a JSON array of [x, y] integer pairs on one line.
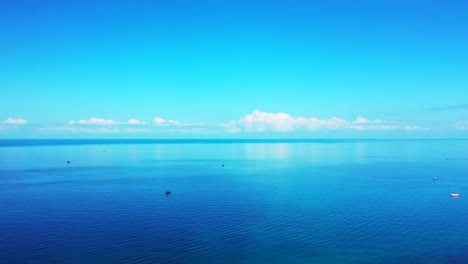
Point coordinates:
[[233, 69]]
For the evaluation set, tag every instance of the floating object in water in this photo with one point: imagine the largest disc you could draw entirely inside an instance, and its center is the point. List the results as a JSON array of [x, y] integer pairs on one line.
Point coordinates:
[[168, 192], [68, 161], [434, 179], [454, 195], [222, 165]]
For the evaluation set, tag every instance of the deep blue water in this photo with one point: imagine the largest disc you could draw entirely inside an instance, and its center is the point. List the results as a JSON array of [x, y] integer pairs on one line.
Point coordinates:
[[331, 201]]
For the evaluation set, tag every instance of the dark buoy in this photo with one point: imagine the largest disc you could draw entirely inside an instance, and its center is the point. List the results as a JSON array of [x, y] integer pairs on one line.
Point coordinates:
[[222, 165], [68, 161], [434, 179], [168, 192]]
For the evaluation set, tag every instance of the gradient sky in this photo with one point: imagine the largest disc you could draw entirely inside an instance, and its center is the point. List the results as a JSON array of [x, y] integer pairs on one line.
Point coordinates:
[[307, 69]]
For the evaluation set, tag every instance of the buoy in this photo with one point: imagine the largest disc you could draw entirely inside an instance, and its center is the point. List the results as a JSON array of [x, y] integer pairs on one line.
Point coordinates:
[[434, 179], [222, 165], [454, 195], [68, 162], [168, 192]]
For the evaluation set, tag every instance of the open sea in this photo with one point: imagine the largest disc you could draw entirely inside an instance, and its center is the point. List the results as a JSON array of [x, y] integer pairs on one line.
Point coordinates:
[[273, 201]]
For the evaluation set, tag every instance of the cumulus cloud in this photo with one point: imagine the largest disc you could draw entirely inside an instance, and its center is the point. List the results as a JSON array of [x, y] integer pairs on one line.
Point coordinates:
[[102, 121], [259, 121], [13, 121]]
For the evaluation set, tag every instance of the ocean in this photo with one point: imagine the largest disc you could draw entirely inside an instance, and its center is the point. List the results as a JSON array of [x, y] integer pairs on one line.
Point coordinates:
[[233, 201]]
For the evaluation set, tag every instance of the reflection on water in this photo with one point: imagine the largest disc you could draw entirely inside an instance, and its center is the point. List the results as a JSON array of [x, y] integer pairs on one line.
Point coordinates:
[[267, 151]]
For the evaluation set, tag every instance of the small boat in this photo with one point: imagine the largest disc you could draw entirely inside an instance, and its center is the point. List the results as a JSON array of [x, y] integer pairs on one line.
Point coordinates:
[[454, 195]]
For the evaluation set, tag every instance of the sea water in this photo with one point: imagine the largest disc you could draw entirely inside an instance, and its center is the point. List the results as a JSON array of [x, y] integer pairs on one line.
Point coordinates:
[[273, 201]]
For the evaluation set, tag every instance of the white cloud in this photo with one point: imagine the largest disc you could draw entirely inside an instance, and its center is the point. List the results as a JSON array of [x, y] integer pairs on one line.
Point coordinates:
[[162, 122], [121, 130], [416, 128], [135, 122], [94, 121], [100, 125], [362, 120], [102, 121], [159, 120], [259, 121], [12, 121], [81, 129]]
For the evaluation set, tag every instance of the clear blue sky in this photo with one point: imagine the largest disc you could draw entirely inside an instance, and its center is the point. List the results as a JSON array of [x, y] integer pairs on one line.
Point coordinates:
[[400, 66]]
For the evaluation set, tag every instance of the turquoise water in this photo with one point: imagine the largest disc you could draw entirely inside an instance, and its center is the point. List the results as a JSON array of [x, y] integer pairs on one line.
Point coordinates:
[[331, 201]]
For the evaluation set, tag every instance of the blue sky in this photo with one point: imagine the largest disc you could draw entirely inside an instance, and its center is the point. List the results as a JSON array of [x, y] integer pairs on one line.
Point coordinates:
[[198, 69]]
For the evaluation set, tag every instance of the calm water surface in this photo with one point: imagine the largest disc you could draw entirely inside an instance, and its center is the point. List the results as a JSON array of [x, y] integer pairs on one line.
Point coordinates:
[[363, 201]]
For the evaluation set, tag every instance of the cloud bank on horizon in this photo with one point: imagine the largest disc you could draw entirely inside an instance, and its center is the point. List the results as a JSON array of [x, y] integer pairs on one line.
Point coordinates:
[[258, 122], [102, 121], [13, 121]]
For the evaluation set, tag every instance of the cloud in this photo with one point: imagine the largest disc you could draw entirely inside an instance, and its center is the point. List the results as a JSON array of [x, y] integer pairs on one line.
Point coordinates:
[[135, 122], [159, 120], [120, 130], [81, 129], [93, 121], [162, 122], [415, 128], [96, 125], [259, 121], [12, 121], [362, 120], [102, 121]]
